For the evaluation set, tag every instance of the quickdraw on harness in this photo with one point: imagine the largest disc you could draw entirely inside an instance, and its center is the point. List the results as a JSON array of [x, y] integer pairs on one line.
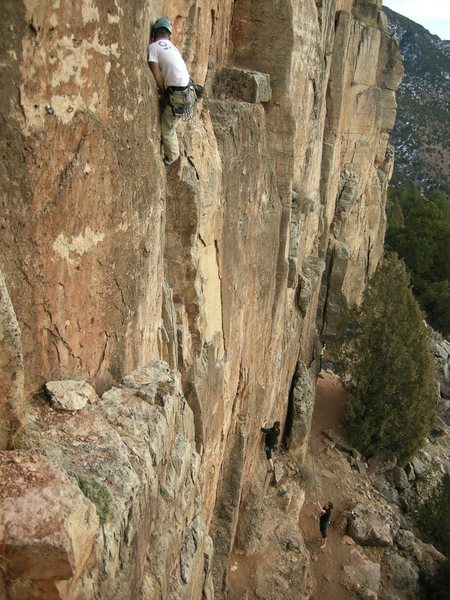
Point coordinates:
[[188, 109]]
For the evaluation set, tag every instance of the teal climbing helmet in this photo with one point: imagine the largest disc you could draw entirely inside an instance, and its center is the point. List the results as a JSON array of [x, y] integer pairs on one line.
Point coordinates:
[[161, 23]]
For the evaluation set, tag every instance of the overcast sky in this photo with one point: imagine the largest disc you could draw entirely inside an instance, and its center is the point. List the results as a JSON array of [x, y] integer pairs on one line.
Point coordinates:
[[434, 15]]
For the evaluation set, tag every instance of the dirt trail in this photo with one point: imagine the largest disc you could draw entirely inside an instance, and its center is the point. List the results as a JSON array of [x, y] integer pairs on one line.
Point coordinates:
[[328, 477], [330, 481]]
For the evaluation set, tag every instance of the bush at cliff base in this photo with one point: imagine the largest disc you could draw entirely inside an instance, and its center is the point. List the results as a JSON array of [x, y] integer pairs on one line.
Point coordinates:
[[393, 382], [434, 516], [439, 587]]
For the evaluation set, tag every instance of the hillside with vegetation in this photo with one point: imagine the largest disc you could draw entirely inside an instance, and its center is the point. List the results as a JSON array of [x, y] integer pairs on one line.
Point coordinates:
[[422, 131], [419, 231]]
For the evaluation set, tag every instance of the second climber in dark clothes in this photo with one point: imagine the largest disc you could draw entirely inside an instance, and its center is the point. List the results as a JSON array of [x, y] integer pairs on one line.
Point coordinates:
[[325, 522], [271, 442]]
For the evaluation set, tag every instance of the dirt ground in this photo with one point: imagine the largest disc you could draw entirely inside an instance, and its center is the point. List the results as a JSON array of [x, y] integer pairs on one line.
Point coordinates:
[[330, 478], [331, 481]]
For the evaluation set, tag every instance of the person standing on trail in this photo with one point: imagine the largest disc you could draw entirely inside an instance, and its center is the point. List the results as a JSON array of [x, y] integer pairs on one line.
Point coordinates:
[[324, 522], [271, 442], [174, 85]]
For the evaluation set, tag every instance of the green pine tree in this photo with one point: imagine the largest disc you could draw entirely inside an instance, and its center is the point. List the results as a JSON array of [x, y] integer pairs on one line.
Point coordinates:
[[440, 586], [434, 516], [419, 231], [393, 382]]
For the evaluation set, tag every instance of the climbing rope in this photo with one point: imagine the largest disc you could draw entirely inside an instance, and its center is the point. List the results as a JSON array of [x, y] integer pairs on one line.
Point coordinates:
[[315, 481]]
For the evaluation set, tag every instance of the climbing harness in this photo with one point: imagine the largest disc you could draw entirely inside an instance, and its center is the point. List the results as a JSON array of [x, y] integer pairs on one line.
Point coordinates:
[[187, 111], [199, 91]]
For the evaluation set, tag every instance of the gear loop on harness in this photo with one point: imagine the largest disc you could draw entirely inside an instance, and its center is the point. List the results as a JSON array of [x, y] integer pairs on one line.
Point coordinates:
[[189, 105]]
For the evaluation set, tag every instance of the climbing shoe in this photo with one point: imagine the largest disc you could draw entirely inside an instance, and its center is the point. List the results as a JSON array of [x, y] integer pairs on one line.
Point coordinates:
[[168, 162]]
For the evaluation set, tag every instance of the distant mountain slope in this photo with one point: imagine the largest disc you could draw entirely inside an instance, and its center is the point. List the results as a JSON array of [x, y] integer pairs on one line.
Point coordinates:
[[422, 132]]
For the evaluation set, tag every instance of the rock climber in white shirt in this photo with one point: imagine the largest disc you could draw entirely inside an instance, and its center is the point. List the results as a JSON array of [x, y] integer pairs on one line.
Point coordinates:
[[172, 77]]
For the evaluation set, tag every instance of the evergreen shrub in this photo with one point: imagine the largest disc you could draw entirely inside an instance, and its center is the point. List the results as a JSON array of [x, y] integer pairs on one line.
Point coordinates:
[[392, 377]]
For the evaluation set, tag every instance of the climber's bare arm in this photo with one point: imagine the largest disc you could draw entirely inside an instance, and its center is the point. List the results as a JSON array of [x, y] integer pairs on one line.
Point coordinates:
[[156, 71]]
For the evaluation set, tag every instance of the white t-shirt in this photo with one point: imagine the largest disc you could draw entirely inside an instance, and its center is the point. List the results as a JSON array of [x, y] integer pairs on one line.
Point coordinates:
[[171, 63]]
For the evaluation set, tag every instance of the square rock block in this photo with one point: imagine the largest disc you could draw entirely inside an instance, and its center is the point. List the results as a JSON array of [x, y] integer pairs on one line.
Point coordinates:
[[47, 526], [242, 84]]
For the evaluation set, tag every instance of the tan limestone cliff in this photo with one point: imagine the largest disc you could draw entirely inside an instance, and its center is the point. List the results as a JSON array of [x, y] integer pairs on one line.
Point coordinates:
[[227, 266], [11, 370]]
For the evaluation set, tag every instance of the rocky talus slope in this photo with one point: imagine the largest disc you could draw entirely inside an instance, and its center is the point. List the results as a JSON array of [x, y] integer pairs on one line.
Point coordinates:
[[190, 299]]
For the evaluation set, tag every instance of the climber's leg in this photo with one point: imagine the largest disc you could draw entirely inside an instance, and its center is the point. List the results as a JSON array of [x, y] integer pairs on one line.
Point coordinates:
[[169, 124]]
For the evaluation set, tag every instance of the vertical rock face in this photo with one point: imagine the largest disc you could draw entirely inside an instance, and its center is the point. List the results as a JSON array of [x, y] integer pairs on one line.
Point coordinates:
[[302, 401], [11, 369], [81, 249], [222, 266], [356, 161]]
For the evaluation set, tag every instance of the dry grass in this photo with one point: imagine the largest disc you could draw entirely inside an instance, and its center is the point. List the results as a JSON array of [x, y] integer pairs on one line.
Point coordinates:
[[31, 437]]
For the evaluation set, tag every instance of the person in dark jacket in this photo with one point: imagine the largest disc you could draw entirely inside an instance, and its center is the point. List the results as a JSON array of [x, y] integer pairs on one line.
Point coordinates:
[[325, 522], [271, 442]]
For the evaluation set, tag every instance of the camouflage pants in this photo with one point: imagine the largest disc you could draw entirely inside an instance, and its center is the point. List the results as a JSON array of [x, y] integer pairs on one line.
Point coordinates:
[[169, 124]]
